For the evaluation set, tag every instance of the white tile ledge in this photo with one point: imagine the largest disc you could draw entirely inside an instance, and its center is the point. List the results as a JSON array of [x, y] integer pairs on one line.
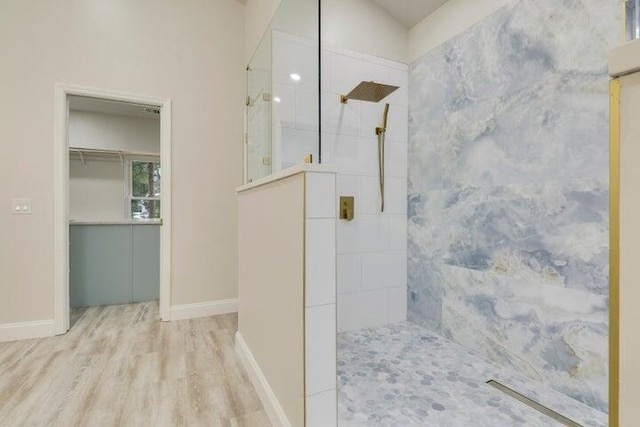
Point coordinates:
[[286, 173], [625, 59]]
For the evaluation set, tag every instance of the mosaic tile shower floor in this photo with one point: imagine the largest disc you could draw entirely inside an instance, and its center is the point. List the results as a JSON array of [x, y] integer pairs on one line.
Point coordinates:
[[404, 375]]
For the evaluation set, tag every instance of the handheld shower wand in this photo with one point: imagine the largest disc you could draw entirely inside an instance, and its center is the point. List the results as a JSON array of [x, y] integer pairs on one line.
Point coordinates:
[[380, 132], [383, 128]]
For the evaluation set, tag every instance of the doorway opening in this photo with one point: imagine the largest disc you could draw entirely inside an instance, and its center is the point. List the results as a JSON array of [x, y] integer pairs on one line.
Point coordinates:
[[113, 200]]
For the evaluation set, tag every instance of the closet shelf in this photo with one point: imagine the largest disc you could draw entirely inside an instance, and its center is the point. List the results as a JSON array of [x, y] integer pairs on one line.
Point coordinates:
[[83, 152]]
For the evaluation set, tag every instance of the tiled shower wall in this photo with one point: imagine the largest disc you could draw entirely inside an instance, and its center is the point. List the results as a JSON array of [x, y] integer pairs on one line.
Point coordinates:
[[372, 248], [508, 190], [295, 103]]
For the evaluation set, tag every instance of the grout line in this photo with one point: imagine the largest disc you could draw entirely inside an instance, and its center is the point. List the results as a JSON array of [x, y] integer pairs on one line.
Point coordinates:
[[321, 392], [321, 305], [364, 290]]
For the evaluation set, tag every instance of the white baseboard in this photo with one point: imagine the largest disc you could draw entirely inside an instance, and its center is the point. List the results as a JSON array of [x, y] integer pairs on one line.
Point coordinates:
[[269, 400], [203, 309], [27, 330]]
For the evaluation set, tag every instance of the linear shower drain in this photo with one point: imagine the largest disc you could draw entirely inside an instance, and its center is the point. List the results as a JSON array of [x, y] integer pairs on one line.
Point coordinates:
[[533, 404]]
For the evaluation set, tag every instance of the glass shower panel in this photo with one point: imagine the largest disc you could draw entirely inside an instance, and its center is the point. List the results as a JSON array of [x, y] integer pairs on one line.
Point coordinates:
[[283, 82], [258, 108]]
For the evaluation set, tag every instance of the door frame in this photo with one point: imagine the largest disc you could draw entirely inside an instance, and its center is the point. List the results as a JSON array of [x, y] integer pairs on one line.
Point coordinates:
[[61, 194]]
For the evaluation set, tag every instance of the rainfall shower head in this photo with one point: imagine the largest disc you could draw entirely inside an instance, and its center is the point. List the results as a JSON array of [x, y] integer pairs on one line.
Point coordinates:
[[369, 91]]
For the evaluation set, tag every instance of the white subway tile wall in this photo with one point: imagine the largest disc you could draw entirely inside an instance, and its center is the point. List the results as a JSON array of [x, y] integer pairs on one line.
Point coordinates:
[[295, 118], [397, 232], [397, 304], [322, 410], [321, 262], [349, 273], [372, 249], [365, 233], [371, 262], [323, 203], [320, 300], [363, 309], [284, 105], [384, 270], [320, 349], [303, 143]]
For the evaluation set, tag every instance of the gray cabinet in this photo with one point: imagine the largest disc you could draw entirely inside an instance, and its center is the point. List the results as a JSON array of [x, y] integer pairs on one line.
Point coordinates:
[[113, 263]]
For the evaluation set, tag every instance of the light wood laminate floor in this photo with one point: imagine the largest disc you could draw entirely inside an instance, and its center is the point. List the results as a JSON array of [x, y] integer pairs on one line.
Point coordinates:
[[120, 366]]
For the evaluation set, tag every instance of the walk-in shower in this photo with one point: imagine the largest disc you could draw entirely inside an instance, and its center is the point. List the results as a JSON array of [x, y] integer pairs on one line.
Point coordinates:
[[486, 250], [469, 251]]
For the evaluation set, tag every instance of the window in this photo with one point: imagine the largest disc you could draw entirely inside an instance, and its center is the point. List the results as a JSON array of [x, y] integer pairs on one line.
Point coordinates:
[[144, 189]]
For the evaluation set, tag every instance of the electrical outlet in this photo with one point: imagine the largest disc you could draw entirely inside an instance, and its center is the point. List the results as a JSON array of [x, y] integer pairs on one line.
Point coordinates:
[[21, 206]]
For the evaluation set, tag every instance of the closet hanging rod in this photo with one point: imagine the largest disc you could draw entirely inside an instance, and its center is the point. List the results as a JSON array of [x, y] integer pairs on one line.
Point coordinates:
[[112, 152]]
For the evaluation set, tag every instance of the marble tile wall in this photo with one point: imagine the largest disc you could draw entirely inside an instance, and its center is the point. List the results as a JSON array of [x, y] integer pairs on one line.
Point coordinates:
[[508, 190]]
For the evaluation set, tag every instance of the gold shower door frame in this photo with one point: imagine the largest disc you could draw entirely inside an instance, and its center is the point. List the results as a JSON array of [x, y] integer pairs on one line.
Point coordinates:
[[614, 252]]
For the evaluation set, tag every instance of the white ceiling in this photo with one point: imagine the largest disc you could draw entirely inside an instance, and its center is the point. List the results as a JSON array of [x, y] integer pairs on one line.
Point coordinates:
[[409, 12], [81, 103]]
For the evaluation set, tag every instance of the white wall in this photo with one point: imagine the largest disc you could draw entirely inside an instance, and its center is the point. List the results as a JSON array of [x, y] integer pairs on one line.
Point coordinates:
[[372, 248], [271, 287], [97, 189], [362, 26], [353, 24], [111, 132], [258, 15], [299, 17], [450, 19], [191, 52]]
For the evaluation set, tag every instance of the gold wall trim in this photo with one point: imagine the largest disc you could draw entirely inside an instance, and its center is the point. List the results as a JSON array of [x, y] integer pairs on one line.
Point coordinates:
[[614, 252], [305, 260], [533, 404]]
